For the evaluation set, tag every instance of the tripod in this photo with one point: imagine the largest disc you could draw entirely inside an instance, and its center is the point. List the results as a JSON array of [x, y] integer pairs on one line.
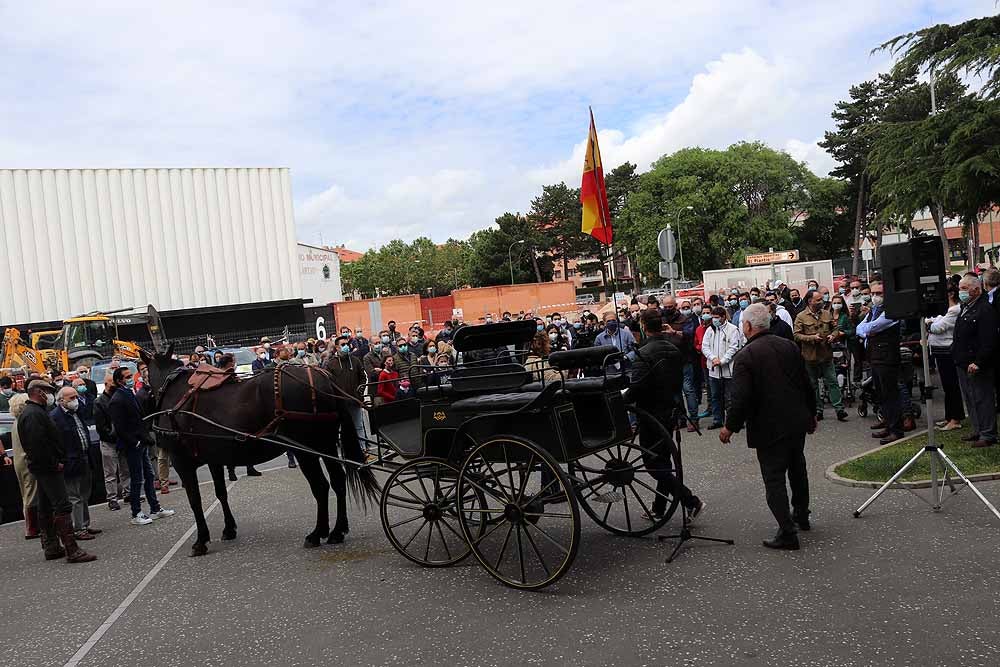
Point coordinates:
[[679, 420], [937, 456]]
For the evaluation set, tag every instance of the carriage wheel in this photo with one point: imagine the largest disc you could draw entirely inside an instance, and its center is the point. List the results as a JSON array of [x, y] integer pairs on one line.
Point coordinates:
[[620, 486], [419, 513], [530, 513]]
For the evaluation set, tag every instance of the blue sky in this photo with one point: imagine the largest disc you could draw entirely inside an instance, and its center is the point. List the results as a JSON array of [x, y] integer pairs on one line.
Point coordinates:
[[402, 119]]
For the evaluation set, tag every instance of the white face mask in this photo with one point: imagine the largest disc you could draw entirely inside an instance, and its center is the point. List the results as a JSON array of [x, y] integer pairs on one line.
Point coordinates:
[[836, 305], [50, 400], [877, 299], [72, 405]]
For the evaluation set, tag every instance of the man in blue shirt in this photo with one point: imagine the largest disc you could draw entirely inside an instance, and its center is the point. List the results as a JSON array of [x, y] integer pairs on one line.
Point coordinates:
[[881, 336], [616, 335]]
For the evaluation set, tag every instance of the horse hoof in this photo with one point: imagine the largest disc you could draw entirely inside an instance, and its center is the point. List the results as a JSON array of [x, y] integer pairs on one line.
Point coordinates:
[[229, 534], [199, 550], [311, 542], [336, 537]]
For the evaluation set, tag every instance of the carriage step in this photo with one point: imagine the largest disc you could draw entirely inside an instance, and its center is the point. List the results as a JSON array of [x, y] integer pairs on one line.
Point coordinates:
[[610, 497]]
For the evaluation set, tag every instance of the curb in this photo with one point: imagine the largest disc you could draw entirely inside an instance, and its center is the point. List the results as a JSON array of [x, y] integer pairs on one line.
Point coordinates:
[[919, 484]]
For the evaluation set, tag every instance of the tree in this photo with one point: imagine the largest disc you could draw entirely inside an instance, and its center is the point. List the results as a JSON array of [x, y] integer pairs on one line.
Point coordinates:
[[972, 47], [620, 183], [489, 262], [555, 216], [825, 230], [421, 267]]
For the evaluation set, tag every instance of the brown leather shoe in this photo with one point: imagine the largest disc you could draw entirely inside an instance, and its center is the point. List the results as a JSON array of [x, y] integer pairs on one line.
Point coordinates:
[[892, 437], [80, 556], [982, 443], [878, 426], [972, 437], [83, 535], [881, 434], [909, 424]]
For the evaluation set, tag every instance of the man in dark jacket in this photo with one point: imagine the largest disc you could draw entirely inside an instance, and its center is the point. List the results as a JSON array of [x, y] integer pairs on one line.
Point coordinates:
[[113, 460], [656, 381], [348, 374], [133, 437], [773, 398], [973, 350], [882, 337], [778, 326], [43, 448], [76, 472]]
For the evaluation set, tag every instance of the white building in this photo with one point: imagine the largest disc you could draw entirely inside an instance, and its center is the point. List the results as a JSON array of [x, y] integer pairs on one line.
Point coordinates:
[[79, 240], [319, 270]]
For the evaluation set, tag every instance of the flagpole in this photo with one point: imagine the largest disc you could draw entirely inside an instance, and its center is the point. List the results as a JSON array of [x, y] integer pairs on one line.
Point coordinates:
[[595, 151]]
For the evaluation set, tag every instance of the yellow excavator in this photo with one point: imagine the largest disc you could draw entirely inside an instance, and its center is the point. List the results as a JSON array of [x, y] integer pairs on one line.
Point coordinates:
[[17, 359], [82, 340]]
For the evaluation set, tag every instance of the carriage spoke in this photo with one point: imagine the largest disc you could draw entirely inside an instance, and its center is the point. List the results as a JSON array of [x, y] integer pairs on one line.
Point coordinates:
[[662, 495], [525, 476], [503, 547], [420, 480], [547, 537], [543, 489], [628, 515], [444, 542], [486, 490], [493, 474], [485, 510], [593, 490], [454, 532], [416, 502], [538, 554], [403, 486], [607, 511], [510, 473], [427, 549], [410, 506], [487, 533], [406, 521], [414, 536], [520, 555]]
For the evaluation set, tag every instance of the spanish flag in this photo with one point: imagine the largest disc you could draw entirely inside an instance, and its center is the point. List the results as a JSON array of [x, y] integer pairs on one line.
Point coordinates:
[[593, 195]]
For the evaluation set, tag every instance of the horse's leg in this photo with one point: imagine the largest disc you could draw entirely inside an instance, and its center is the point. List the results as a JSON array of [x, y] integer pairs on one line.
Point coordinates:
[[219, 479], [310, 467], [188, 472], [339, 482]]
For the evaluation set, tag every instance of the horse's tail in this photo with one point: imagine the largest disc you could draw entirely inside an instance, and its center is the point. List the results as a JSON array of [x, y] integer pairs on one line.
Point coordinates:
[[360, 479]]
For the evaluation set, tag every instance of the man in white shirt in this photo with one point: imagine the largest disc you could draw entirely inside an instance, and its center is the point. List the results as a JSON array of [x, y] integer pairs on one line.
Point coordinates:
[[720, 344]]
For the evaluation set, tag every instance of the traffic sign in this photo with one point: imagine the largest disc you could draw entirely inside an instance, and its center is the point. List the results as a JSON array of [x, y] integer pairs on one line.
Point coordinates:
[[866, 244], [867, 254], [773, 257], [668, 270], [667, 245]]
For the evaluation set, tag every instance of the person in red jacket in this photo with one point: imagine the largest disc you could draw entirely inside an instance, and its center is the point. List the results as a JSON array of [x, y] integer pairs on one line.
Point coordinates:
[[388, 382]]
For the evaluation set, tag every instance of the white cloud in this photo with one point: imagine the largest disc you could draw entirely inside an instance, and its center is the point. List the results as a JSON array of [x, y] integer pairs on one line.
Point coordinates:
[[819, 161]]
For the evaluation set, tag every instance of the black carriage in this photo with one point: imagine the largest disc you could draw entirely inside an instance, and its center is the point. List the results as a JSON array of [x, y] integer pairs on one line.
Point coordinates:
[[498, 460]]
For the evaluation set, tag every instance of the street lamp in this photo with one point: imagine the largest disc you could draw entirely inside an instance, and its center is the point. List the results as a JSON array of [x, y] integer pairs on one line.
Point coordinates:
[[511, 259], [680, 247]]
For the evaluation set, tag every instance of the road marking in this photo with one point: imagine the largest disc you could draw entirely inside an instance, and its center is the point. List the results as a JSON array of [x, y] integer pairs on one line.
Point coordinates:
[[137, 591]]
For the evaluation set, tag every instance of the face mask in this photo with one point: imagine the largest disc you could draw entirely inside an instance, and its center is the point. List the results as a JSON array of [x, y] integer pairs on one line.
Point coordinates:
[[50, 400], [73, 405], [744, 304], [557, 322], [553, 336], [262, 356], [717, 321], [706, 317], [814, 287], [795, 298], [84, 374], [841, 290], [877, 300], [539, 327], [358, 333], [345, 349], [685, 311], [754, 299], [432, 350], [7, 392], [963, 295], [826, 298], [414, 339], [611, 325], [577, 325], [82, 389], [734, 292], [732, 303], [836, 305], [697, 310], [300, 353], [855, 291], [130, 383], [404, 347], [377, 347], [345, 332]]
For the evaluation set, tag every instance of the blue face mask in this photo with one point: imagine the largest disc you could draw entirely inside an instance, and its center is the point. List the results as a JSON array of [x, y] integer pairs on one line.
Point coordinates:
[[82, 389], [540, 327], [345, 349], [611, 325], [432, 350], [744, 304], [717, 321], [963, 295], [404, 347], [577, 325], [706, 317], [385, 339], [130, 383], [378, 347], [300, 353]]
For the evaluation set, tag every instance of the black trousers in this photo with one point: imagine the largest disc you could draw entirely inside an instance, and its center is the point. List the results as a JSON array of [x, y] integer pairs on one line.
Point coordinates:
[[781, 459], [887, 385], [52, 497], [953, 407], [660, 467]]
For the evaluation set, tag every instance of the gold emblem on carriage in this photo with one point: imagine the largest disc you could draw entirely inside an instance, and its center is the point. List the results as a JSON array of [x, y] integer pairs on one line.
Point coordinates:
[[440, 416]]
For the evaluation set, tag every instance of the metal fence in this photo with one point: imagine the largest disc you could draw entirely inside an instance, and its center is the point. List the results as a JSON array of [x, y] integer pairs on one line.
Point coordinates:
[[291, 333]]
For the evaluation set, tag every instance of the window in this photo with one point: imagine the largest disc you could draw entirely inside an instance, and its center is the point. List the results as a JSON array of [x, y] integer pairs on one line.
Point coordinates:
[[326, 272], [570, 273]]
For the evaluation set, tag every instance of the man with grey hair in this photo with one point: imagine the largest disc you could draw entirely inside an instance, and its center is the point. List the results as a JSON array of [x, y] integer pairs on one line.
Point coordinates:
[[973, 350], [772, 396], [76, 472]]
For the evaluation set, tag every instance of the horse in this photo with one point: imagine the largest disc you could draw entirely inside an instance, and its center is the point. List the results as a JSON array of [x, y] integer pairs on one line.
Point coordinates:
[[208, 417]]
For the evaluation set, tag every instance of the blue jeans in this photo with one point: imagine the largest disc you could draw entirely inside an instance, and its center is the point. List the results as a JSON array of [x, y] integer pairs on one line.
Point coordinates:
[[358, 417], [718, 394], [692, 389], [141, 473]]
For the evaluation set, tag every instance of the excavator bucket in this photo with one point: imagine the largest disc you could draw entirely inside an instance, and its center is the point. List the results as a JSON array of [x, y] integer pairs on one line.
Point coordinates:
[[156, 334]]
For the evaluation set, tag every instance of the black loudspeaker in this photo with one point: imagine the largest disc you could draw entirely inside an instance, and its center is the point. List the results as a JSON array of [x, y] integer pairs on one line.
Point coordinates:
[[914, 279]]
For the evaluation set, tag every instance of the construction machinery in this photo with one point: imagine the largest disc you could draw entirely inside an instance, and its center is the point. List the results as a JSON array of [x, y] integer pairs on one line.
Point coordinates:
[[17, 359]]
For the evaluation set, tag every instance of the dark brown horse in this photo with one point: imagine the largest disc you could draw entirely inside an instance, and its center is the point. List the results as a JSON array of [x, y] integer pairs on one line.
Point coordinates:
[[287, 402]]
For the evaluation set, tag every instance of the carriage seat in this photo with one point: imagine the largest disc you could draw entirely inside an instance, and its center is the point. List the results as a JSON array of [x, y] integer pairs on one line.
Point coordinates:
[[496, 402], [586, 385], [434, 392], [207, 378]]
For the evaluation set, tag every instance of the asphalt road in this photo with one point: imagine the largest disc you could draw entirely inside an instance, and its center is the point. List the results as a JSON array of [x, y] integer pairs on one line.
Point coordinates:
[[900, 586]]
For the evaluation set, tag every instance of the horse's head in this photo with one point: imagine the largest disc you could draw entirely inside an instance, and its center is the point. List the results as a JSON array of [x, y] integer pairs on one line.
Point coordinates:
[[160, 365]]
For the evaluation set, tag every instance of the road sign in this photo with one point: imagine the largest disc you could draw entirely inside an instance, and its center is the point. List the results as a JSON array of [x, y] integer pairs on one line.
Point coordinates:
[[668, 270], [668, 247], [773, 257], [867, 254], [866, 244]]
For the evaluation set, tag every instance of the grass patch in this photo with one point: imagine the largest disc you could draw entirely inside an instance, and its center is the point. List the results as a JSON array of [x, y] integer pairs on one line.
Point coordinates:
[[881, 465]]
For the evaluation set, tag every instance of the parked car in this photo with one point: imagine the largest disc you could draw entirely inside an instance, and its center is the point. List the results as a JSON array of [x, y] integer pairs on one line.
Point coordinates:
[[585, 299]]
